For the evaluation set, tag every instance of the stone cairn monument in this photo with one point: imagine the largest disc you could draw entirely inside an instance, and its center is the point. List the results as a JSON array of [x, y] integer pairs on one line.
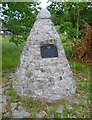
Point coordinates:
[[44, 71]]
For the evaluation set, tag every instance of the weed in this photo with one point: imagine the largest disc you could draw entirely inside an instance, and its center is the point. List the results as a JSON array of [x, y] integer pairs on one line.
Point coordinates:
[[17, 106], [12, 94], [26, 100], [57, 115]]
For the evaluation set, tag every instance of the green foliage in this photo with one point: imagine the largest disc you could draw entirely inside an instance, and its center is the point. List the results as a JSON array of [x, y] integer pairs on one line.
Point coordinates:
[[70, 31], [17, 39], [73, 33], [65, 26], [71, 16], [68, 52], [67, 44], [20, 17], [56, 10]]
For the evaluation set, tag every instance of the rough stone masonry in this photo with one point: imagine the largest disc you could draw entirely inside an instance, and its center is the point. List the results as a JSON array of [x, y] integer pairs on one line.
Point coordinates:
[[44, 71]]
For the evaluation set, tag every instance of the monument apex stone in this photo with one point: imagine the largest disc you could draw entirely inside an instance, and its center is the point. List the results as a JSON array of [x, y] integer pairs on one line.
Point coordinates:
[[44, 14]]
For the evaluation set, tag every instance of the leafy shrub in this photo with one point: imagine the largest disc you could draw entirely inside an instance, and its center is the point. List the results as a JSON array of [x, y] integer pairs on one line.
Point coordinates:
[[67, 44], [70, 30], [68, 52], [65, 26]]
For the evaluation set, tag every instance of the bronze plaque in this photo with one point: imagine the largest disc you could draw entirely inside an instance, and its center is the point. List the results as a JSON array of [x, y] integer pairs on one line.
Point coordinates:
[[49, 51]]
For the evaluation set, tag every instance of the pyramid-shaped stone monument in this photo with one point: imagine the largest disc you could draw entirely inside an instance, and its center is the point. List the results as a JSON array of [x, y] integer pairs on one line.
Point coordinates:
[[44, 71]]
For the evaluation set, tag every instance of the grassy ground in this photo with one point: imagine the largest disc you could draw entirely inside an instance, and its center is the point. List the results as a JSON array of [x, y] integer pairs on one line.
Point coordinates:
[[10, 54], [77, 107]]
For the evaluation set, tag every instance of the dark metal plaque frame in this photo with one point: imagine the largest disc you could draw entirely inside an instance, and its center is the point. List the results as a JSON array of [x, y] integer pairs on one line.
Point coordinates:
[[49, 51]]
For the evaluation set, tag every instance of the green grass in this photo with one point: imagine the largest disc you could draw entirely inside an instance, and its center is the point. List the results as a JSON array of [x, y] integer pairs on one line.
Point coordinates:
[[79, 66], [10, 54]]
